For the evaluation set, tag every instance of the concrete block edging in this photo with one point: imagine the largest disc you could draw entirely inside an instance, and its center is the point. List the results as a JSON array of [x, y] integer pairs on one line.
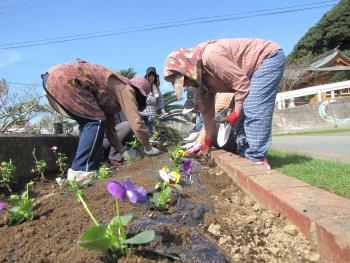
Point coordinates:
[[321, 216]]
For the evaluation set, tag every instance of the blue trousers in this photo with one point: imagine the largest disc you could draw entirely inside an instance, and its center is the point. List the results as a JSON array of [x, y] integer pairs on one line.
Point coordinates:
[[254, 126], [90, 147], [148, 122]]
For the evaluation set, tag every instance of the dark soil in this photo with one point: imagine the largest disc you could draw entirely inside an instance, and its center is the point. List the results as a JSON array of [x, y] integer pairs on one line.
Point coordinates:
[[212, 222]]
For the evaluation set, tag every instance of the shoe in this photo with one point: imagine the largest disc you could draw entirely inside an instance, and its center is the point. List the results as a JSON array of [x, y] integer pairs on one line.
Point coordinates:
[[79, 176], [154, 151], [264, 163]]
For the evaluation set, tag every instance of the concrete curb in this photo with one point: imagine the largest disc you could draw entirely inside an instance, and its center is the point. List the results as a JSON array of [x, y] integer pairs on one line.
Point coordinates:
[[321, 216]]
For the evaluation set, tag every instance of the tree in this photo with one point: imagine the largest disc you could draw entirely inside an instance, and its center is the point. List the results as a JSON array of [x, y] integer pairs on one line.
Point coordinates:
[[296, 72], [18, 109], [129, 72], [331, 31]]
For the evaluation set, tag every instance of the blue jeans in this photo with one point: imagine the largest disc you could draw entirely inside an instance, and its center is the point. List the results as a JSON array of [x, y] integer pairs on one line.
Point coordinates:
[[90, 147], [199, 122], [254, 126], [148, 122]]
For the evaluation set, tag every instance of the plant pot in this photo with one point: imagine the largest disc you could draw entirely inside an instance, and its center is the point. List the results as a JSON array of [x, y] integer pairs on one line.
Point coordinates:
[[58, 128]]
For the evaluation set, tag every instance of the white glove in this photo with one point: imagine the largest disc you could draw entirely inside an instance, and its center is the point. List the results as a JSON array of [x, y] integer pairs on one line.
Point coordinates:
[[152, 152], [163, 112], [189, 145]]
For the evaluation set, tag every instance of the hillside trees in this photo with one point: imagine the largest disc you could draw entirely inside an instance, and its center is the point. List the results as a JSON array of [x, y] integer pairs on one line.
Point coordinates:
[[331, 31]]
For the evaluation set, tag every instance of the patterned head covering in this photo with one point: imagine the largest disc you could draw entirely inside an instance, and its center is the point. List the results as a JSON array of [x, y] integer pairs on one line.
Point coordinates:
[[187, 62]]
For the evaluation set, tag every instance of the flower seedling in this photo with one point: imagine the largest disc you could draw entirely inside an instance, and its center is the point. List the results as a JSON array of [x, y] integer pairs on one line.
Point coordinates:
[[61, 160], [6, 174], [162, 196], [40, 165], [112, 237], [103, 172], [176, 157], [134, 144], [24, 206]]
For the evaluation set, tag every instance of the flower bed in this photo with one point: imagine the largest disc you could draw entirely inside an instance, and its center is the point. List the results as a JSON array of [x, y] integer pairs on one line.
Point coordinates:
[[210, 221]]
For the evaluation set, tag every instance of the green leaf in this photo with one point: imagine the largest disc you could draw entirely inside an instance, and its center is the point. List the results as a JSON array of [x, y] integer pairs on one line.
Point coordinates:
[[155, 199], [14, 198], [124, 219], [141, 238], [95, 238], [14, 210], [178, 187]]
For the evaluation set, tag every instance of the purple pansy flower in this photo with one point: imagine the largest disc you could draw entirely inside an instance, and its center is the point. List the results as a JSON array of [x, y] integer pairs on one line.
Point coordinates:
[[186, 166], [127, 188], [116, 190], [1, 206], [130, 191], [141, 194]]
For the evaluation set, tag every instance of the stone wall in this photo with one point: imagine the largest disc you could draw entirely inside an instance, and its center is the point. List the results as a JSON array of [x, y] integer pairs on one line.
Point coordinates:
[[19, 147], [324, 115]]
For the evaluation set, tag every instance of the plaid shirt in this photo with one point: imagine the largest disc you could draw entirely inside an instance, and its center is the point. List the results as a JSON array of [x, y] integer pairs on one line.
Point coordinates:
[[153, 104], [228, 66]]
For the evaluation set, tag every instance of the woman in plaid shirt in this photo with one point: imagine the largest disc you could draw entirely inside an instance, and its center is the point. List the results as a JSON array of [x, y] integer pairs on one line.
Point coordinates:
[[249, 68], [154, 101]]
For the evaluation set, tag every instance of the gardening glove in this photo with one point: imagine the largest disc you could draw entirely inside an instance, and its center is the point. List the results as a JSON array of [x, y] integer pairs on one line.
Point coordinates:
[[194, 149], [232, 118], [189, 145], [163, 112], [154, 151], [205, 149], [201, 149]]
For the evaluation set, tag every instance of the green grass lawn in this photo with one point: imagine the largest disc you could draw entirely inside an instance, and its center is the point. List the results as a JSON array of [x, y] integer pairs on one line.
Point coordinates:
[[335, 130], [330, 175]]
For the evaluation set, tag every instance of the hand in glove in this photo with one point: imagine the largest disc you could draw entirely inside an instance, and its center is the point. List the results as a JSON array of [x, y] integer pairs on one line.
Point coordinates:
[[163, 111], [194, 149], [189, 145], [202, 149], [152, 152], [232, 118]]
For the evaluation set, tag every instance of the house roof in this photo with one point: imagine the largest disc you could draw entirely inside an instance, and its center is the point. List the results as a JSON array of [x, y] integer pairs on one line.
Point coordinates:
[[323, 61], [326, 59]]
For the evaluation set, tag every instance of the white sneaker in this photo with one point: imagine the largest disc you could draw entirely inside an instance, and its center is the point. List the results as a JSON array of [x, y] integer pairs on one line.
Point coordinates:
[[79, 175]]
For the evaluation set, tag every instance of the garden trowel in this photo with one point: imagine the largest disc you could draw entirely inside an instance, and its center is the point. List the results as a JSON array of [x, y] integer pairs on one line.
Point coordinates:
[[223, 133]]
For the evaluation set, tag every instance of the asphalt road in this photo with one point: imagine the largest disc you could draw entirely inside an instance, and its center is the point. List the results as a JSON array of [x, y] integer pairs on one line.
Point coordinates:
[[326, 146]]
